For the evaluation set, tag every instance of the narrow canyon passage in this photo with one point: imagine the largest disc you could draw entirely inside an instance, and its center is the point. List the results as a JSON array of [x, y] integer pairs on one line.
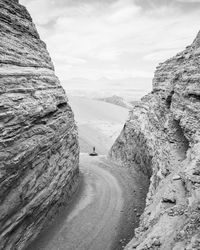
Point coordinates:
[[104, 212], [92, 220]]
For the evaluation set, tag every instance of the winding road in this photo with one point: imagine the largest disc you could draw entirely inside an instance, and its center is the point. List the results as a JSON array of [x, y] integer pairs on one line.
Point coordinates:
[[91, 221]]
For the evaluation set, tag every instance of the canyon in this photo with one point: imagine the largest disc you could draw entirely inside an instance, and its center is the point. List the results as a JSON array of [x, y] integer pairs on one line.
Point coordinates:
[[39, 151], [150, 179], [161, 140]]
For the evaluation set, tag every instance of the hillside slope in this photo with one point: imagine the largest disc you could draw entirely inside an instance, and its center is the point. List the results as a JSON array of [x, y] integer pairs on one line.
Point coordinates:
[[99, 123], [162, 136], [39, 151]]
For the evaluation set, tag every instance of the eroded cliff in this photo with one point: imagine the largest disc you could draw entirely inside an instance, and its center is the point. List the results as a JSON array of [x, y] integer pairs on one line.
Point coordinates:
[[39, 152], [162, 135]]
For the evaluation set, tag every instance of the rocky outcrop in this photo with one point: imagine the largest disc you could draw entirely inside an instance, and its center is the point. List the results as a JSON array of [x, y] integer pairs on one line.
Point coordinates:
[[39, 151], [162, 136]]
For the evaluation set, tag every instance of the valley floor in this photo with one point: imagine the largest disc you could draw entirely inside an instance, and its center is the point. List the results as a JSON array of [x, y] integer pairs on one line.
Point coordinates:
[[103, 214]]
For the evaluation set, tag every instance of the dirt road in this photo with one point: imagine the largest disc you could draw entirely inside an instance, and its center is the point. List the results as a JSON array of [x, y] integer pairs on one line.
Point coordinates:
[[104, 212], [93, 220]]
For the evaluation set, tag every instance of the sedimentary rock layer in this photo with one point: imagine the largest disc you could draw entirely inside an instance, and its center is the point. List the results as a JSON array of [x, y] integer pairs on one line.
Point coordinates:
[[39, 151], [162, 136]]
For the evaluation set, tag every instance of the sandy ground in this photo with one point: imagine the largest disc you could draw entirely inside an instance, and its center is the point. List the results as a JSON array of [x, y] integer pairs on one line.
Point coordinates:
[[99, 123], [101, 217], [134, 186]]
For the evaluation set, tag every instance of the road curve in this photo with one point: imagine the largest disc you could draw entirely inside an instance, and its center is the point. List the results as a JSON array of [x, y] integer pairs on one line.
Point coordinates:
[[92, 222]]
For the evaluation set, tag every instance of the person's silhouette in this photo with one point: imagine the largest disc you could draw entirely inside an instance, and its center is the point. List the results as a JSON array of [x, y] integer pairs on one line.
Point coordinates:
[[94, 152]]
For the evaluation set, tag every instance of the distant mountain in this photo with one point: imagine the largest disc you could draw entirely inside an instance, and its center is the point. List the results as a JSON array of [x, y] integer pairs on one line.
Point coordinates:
[[119, 101]]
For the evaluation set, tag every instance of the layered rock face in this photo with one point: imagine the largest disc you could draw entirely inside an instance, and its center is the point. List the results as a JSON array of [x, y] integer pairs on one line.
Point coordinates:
[[162, 135], [39, 152]]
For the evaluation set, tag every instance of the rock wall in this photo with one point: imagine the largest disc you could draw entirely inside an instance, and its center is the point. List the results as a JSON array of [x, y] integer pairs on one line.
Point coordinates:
[[39, 152], [162, 135]]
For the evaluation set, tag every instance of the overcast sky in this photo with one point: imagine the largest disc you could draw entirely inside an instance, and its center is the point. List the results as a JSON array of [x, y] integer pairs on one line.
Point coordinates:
[[113, 38]]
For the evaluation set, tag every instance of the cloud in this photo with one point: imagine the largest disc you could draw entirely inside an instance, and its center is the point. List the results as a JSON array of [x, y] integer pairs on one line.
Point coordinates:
[[116, 38], [189, 1]]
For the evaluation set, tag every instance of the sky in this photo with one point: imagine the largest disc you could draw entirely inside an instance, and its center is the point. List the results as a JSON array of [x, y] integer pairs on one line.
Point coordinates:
[[108, 41]]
